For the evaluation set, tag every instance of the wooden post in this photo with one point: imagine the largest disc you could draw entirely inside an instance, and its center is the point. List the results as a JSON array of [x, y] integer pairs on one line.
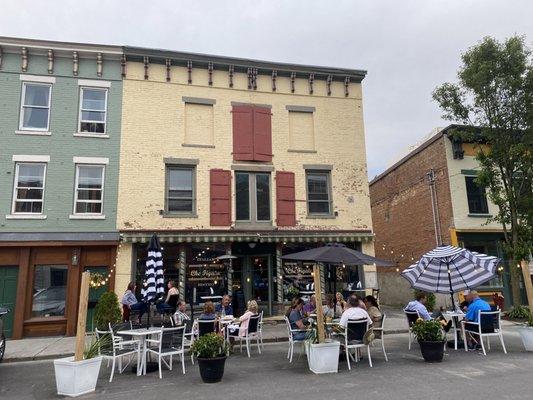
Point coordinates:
[[82, 315], [527, 283], [318, 297]]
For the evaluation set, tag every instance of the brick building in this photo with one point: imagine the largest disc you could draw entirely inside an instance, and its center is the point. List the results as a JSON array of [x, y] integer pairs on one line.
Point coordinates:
[[232, 156], [428, 198]]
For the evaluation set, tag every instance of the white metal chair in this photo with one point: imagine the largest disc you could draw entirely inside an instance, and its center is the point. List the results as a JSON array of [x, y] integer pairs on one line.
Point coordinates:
[[379, 331], [353, 339], [252, 332], [118, 349], [412, 316], [260, 328], [169, 344], [292, 340], [489, 324]]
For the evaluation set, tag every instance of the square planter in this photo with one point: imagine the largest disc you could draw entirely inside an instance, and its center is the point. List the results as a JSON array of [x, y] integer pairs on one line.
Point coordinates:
[[323, 358], [526, 333], [74, 378]]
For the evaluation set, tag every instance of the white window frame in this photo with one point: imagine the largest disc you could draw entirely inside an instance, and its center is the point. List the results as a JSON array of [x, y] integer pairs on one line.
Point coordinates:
[[104, 89], [22, 107], [16, 187], [76, 182]]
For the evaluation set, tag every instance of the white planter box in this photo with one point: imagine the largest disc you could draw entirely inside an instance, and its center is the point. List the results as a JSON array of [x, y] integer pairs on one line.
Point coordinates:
[[74, 378], [527, 337], [323, 358]]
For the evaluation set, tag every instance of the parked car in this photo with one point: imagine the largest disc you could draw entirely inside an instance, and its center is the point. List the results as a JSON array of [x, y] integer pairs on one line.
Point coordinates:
[[3, 311], [50, 301]]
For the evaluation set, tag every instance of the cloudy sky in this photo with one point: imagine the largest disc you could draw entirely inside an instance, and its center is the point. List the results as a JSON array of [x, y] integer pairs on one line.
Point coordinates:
[[407, 46]]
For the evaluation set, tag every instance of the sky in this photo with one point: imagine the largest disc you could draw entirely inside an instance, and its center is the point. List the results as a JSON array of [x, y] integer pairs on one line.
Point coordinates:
[[408, 47]]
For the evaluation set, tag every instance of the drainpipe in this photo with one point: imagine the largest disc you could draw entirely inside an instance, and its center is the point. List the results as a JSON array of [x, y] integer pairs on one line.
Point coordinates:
[[434, 206]]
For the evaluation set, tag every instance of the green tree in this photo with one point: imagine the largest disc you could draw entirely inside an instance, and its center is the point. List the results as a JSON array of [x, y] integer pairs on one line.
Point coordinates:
[[493, 99], [107, 311]]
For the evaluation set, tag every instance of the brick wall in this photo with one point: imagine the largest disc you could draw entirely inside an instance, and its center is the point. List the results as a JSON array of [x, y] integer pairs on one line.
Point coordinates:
[[403, 219]]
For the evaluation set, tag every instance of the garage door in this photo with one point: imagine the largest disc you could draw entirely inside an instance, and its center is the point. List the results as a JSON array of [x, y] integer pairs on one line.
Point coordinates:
[[8, 294]]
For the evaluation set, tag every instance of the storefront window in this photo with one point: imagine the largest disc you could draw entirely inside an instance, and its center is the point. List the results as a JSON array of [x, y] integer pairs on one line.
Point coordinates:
[[297, 276], [49, 290], [206, 275]]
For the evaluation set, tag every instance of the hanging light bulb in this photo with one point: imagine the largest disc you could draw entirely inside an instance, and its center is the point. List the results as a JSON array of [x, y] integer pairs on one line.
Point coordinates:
[[397, 269]]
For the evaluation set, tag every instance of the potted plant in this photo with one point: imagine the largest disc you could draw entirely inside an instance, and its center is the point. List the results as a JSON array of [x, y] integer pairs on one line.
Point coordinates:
[[107, 311], [211, 351], [526, 333], [323, 358], [292, 292], [74, 378], [430, 338]]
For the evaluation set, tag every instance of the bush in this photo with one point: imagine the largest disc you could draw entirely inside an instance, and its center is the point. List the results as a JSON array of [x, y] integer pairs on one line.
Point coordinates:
[[431, 299], [519, 312], [211, 345], [107, 311], [428, 331]]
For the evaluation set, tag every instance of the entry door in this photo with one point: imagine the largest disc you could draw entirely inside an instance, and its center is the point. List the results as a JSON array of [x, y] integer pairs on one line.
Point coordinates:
[[8, 294], [94, 294], [257, 274]]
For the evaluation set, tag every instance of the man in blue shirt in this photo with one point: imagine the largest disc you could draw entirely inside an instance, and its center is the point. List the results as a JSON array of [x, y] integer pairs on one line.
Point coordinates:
[[225, 304], [475, 305], [419, 305]]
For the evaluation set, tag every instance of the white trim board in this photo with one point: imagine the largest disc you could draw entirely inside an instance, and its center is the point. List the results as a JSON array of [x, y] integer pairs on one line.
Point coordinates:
[[90, 160], [30, 158], [94, 83], [37, 78]]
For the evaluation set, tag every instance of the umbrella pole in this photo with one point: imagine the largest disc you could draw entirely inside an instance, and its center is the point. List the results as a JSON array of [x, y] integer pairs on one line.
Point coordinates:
[[450, 282]]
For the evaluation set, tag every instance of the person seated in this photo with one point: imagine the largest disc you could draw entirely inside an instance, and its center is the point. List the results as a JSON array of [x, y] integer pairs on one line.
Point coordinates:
[[172, 291], [359, 300], [340, 305], [208, 312], [310, 307], [242, 326], [372, 308], [224, 305], [130, 301], [353, 311], [419, 305], [296, 319], [475, 304], [328, 309], [179, 316]]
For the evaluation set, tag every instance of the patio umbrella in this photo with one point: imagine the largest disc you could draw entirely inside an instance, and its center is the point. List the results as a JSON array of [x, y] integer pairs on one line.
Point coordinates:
[[154, 284], [450, 269]]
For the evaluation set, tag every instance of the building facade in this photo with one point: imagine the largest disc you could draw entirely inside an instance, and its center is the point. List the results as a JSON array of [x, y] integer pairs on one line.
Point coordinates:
[[428, 198], [225, 156], [60, 136]]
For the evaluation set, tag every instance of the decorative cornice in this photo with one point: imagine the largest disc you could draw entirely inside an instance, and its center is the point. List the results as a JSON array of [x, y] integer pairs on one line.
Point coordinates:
[[50, 61], [146, 62], [24, 59], [99, 65], [75, 63], [274, 76], [168, 64], [189, 72]]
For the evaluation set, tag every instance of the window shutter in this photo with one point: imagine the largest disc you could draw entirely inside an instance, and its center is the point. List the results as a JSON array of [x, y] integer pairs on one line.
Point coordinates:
[[285, 199], [243, 135], [220, 193], [262, 142]]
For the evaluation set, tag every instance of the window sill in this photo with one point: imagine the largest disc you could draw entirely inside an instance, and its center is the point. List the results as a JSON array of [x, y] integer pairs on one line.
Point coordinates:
[[301, 151], [34, 133], [177, 215], [266, 226], [480, 215], [201, 146], [319, 216], [25, 216], [91, 135], [81, 216]]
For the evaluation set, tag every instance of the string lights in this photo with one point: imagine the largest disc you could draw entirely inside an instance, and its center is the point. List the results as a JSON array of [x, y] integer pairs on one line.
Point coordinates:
[[99, 279]]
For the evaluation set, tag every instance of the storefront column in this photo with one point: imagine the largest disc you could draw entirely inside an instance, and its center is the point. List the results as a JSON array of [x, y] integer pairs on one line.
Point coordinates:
[[279, 273], [229, 271], [182, 270], [323, 274], [123, 268], [370, 276]]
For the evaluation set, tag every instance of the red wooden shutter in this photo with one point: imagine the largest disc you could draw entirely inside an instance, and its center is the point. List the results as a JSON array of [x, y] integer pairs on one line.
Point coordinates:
[[243, 137], [262, 134], [285, 199], [220, 192]]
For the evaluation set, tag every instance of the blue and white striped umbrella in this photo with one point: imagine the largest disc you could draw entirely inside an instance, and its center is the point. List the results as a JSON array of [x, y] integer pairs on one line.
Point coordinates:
[[154, 284], [450, 269]]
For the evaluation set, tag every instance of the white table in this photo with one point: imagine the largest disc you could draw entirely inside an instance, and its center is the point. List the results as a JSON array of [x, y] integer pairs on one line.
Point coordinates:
[[455, 316], [141, 334], [211, 297]]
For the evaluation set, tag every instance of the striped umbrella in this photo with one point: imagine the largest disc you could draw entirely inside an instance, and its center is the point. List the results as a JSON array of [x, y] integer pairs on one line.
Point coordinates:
[[450, 269], [154, 285]]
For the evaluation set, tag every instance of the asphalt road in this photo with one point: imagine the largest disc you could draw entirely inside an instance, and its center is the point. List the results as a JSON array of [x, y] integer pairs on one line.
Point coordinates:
[[270, 376]]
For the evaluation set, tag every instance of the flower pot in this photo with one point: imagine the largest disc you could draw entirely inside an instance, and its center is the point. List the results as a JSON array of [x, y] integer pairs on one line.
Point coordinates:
[[74, 378], [211, 369], [432, 351], [526, 333], [323, 358]]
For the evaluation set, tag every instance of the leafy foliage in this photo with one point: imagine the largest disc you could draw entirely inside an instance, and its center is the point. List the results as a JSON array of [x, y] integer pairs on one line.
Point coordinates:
[[92, 349], [107, 311], [428, 331], [210, 345], [493, 100], [519, 312], [431, 299]]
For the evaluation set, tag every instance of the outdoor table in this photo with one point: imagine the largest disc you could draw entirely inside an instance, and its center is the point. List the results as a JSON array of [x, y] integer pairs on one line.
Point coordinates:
[[211, 298], [224, 323], [140, 334], [455, 317]]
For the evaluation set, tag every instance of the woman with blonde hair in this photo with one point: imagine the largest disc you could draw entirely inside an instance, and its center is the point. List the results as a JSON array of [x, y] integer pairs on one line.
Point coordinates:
[[243, 321]]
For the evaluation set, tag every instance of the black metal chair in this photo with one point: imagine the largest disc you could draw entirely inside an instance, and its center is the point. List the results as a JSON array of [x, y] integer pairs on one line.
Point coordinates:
[[353, 339], [489, 325], [412, 316]]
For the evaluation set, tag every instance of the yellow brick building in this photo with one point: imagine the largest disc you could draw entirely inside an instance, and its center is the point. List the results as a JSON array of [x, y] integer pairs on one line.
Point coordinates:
[[231, 156]]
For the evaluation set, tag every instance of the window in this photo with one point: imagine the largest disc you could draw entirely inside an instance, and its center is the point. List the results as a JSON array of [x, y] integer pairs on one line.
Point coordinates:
[[89, 194], [252, 197], [35, 106], [93, 106], [49, 290], [180, 190], [28, 193], [477, 199], [318, 193]]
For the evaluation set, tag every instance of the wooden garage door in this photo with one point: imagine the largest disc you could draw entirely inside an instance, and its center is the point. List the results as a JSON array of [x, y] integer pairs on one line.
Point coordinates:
[[8, 293]]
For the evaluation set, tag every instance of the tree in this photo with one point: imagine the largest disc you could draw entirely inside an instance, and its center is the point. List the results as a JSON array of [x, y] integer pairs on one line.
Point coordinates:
[[493, 99], [107, 311]]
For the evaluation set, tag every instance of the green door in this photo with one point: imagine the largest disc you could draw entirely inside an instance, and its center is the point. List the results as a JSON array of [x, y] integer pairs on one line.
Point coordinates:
[[8, 294], [94, 295]]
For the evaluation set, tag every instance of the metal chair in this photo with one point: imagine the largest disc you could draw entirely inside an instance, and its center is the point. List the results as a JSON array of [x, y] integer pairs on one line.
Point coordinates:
[[380, 332], [200, 328], [412, 316], [260, 328], [489, 324], [169, 343], [118, 348], [292, 340], [353, 339], [251, 332]]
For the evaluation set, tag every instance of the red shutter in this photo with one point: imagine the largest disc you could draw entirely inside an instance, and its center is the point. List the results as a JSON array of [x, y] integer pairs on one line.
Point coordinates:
[[285, 199], [243, 138], [262, 134], [220, 191]]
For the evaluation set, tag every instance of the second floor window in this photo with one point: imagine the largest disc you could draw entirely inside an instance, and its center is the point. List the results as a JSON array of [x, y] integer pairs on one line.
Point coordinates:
[[89, 193], [93, 106], [180, 190], [28, 196], [35, 107], [318, 192], [477, 198], [252, 197]]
